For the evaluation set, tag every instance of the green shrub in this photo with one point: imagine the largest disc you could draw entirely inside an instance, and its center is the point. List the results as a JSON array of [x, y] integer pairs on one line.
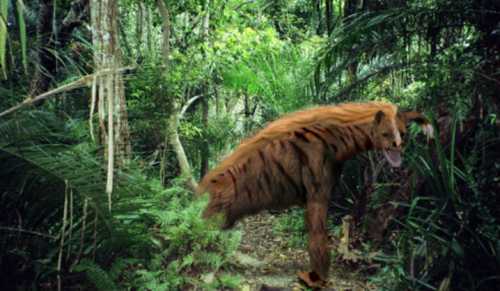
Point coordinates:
[[448, 238], [187, 245], [292, 225]]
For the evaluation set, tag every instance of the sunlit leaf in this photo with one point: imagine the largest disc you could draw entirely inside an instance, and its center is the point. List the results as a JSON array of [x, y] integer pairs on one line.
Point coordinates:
[[22, 33], [4, 6]]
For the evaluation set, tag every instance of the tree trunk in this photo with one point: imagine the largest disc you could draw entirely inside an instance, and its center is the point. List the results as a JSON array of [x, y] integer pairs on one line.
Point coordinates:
[[173, 121], [317, 7], [149, 25], [109, 87], [350, 9], [204, 150], [174, 140], [329, 16], [139, 32], [165, 15], [246, 109], [276, 16]]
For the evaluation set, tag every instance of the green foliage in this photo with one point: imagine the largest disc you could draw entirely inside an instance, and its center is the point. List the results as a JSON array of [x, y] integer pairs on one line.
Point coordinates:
[[220, 132], [291, 225], [235, 44], [258, 61], [187, 245], [4, 6], [45, 160], [145, 217], [383, 52], [22, 33], [149, 105], [446, 230], [96, 275], [276, 78]]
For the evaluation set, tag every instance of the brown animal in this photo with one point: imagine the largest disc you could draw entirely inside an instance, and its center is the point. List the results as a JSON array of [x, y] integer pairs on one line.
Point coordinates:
[[297, 160]]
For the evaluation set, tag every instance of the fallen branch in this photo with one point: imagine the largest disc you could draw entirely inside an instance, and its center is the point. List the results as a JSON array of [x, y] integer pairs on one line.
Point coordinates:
[[12, 229], [84, 81], [188, 104], [191, 102]]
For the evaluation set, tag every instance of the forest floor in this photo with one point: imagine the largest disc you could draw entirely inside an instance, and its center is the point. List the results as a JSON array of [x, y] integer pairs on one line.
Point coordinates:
[[265, 261]]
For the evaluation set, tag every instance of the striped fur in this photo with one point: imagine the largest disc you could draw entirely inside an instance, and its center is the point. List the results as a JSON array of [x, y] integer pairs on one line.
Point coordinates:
[[297, 160]]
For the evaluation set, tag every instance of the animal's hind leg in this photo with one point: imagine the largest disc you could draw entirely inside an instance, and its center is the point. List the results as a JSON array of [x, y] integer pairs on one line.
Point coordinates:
[[319, 254]]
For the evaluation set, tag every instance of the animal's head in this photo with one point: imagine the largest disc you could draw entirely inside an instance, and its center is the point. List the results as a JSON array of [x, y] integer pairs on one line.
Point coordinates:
[[388, 133]]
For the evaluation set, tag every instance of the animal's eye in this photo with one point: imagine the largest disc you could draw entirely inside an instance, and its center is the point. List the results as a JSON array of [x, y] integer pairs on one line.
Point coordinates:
[[386, 134]]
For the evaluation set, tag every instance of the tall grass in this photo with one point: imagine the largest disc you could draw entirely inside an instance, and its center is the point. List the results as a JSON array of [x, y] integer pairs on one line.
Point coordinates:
[[448, 239]]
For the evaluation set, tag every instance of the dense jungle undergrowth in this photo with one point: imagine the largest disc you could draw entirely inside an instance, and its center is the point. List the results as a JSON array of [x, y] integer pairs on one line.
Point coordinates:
[[111, 111]]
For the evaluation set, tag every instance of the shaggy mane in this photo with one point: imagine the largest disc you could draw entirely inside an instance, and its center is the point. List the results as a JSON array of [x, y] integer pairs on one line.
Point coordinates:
[[339, 115]]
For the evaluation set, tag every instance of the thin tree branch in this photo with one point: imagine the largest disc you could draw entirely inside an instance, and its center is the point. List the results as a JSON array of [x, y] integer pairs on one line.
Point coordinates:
[[384, 70], [188, 104], [84, 81], [63, 234], [13, 229], [239, 6], [488, 77]]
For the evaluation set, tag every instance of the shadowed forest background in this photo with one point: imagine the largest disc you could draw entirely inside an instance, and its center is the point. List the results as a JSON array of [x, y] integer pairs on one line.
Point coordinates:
[[111, 111]]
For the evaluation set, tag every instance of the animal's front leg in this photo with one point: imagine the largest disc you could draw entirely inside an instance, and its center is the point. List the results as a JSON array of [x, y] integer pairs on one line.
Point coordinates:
[[318, 178], [318, 238], [319, 254]]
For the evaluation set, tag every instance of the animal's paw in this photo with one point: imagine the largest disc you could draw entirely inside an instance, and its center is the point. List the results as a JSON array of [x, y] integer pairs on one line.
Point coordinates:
[[311, 279]]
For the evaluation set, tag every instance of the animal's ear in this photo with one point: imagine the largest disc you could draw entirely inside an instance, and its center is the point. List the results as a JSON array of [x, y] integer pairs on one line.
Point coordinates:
[[413, 116], [378, 117]]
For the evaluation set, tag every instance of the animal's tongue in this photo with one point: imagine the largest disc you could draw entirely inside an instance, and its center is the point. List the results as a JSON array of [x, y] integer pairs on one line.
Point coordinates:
[[393, 157]]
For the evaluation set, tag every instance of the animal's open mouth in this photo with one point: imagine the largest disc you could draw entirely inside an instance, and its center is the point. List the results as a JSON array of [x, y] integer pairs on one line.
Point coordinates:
[[393, 157]]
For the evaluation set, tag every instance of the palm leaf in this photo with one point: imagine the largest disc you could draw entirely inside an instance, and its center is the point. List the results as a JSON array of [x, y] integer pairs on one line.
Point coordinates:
[[22, 34], [43, 157], [4, 6]]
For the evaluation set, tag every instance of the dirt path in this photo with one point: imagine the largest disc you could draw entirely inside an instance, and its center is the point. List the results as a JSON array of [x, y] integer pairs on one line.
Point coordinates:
[[265, 260]]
